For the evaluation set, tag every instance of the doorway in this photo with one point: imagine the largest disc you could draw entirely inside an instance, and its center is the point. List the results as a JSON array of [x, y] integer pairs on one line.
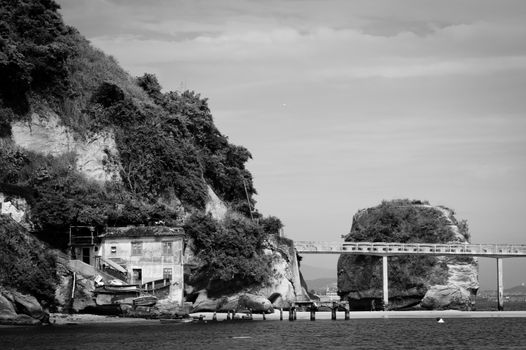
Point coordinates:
[[137, 276], [86, 255]]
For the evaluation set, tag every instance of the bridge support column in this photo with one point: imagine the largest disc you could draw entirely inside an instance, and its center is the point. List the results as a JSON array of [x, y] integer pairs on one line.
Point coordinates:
[[385, 282], [500, 288]]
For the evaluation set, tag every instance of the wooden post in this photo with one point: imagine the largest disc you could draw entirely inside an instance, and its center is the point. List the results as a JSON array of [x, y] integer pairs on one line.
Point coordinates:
[[347, 316], [214, 318], [500, 288], [281, 314], [291, 313], [295, 314], [385, 282], [264, 316], [312, 314], [228, 315], [333, 311]]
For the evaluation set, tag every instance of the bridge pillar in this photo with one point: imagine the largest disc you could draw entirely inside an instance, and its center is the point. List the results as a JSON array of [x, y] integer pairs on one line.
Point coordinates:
[[500, 288], [385, 282]]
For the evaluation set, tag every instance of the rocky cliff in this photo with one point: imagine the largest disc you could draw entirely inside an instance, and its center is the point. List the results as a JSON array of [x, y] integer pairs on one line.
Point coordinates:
[[428, 281], [84, 143]]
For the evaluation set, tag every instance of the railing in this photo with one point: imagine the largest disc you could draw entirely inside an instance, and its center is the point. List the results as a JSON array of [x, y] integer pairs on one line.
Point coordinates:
[[153, 286], [106, 267], [385, 248], [81, 240]]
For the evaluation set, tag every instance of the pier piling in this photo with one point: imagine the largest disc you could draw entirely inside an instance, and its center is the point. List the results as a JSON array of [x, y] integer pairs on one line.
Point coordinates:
[[500, 288], [385, 282]]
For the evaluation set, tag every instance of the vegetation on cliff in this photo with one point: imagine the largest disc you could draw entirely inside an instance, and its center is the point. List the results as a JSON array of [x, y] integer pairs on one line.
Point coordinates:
[[25, 264], [166, 141], [168, 146], [404, 221], [230, 253]]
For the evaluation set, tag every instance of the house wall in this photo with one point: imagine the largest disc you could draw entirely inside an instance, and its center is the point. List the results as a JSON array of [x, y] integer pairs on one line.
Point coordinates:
[[152, 260]]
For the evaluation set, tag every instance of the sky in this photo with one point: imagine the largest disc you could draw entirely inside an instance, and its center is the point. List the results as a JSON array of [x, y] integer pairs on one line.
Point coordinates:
[[347, 103]]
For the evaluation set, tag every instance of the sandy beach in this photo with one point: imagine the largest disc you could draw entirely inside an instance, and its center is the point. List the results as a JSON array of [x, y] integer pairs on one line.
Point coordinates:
[[61, 319]]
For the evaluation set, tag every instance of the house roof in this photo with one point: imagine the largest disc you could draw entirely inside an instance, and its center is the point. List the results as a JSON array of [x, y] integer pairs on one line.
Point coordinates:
[[141, 231]]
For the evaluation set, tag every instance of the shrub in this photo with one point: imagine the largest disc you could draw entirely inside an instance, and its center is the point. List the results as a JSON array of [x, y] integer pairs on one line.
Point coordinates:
[[25, 264], [230, 252], [401, 221]]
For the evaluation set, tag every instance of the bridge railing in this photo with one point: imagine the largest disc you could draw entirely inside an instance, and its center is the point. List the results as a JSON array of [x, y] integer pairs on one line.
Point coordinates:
[[385, 248]]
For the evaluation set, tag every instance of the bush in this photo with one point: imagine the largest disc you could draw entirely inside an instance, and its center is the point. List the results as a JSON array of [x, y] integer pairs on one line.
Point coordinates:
[[24, 264], [401, 221], [230, 252]]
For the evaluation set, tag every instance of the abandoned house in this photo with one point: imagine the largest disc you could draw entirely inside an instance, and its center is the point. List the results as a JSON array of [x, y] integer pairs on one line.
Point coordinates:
[[138, 255]]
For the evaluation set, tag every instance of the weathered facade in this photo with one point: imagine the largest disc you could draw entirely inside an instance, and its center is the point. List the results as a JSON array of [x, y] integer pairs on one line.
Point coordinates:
[[141, 254]]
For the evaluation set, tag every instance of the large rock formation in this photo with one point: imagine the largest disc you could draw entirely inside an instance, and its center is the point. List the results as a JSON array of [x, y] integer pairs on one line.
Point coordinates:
[[431, 282], [283, 288]]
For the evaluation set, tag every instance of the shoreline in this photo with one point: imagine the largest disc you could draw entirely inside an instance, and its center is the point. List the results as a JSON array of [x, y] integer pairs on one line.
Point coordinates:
[[74, 319]]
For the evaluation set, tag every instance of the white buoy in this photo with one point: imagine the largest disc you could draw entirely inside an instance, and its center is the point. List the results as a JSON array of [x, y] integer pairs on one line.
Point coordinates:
[[440, 320]]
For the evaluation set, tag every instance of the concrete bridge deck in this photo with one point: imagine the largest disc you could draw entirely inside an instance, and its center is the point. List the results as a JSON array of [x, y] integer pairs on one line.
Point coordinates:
[[385, 250], [394, 249]]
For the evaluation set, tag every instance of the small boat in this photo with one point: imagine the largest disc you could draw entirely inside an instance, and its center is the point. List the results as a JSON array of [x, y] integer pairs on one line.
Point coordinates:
[[145, 300], [176, 320]]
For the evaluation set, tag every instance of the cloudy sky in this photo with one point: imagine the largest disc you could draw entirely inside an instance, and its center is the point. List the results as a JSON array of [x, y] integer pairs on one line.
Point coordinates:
[[346, 103]]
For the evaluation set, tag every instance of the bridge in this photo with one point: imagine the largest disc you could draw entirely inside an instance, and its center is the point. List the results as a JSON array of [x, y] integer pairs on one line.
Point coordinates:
[[386, 249]]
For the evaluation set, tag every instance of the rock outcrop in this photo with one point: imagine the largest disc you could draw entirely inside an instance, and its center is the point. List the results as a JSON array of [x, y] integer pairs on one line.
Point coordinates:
[[238, 302], [284, 286], [431, 282], [20, 309], [44, 133], [17, 208]]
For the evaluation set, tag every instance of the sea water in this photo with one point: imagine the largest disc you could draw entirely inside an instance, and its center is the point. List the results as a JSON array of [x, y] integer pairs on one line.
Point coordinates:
[[422, 333]]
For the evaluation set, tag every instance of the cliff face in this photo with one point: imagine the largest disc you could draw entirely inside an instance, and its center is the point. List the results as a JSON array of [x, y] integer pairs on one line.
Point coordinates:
[[282, 289], [427, 281], [44, 133], [84, 143]]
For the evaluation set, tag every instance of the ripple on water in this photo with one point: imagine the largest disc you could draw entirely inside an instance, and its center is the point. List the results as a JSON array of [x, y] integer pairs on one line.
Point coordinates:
[[460, 333]]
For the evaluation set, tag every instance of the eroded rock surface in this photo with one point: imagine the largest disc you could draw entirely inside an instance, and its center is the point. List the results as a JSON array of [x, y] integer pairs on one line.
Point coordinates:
[[44, 133]]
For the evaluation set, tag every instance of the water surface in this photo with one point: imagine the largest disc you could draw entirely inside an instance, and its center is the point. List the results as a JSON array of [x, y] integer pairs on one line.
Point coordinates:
[[465, 333]]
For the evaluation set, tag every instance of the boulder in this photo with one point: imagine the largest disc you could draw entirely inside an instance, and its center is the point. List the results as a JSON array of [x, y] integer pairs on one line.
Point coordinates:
[[447, 297], [237, 302], [8, 311], [28, 305]]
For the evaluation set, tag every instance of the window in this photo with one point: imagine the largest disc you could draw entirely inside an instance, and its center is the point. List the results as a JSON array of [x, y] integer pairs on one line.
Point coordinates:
[[167, 248], [167, 273], [136, 248], [113, 249]]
